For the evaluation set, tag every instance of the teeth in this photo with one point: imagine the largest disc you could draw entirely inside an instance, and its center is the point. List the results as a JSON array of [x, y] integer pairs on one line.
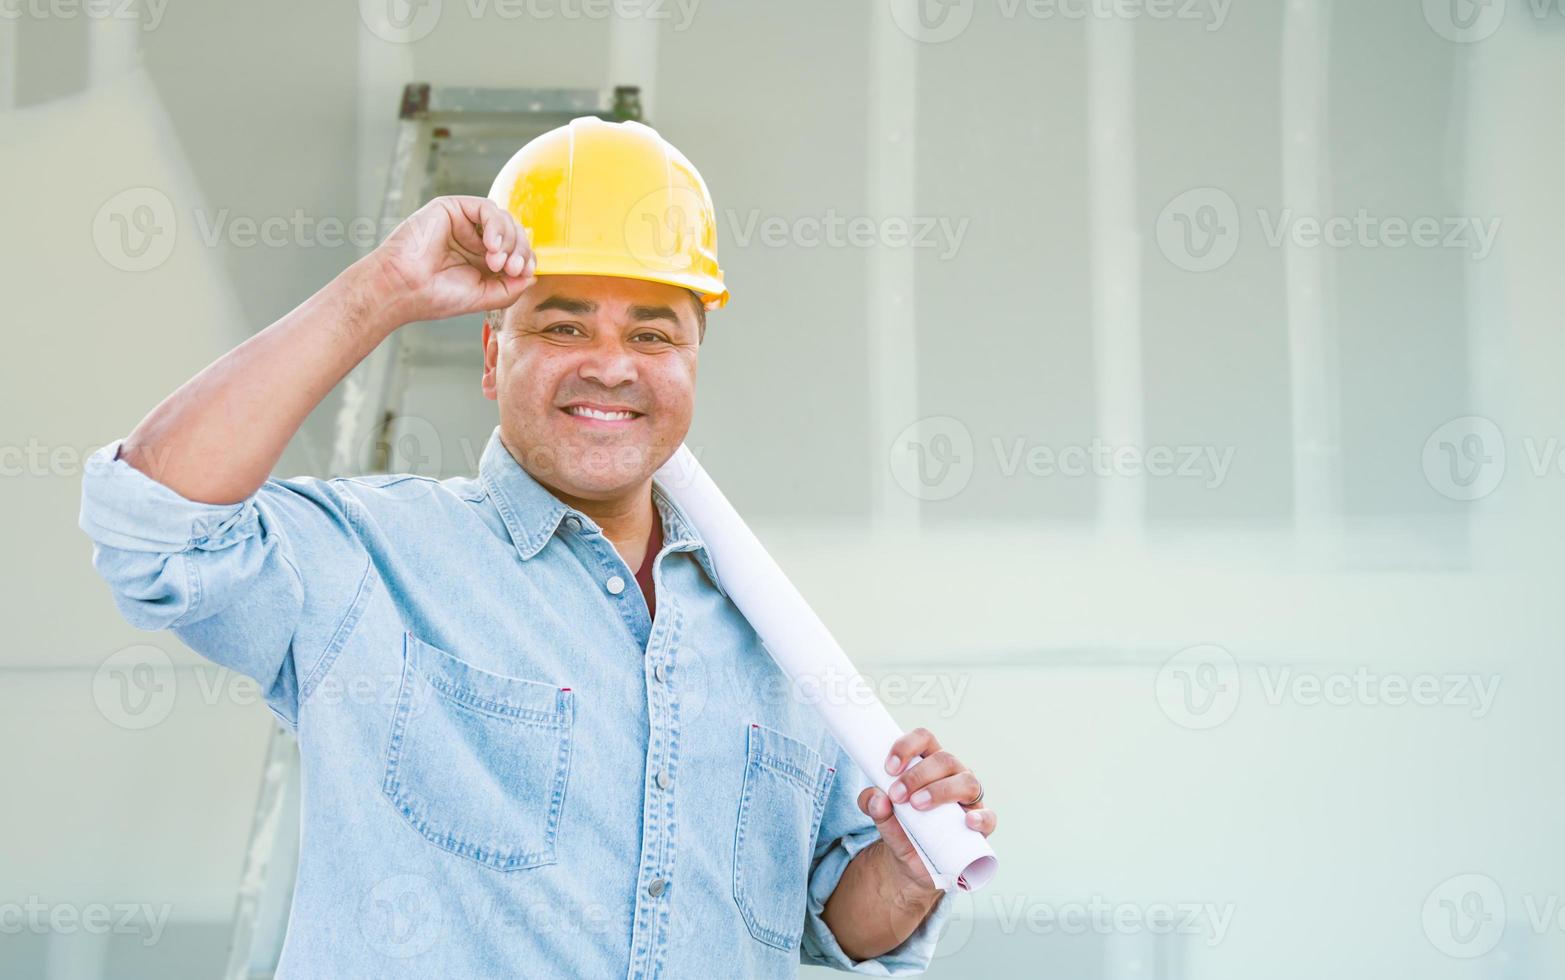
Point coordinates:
[[593, 413]]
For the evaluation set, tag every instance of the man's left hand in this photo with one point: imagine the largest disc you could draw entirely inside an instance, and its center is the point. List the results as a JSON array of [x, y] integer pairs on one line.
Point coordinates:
[[938, 777]]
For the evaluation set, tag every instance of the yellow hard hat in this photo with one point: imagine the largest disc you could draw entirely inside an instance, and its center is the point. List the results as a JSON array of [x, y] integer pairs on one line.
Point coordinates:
[[614, 199]]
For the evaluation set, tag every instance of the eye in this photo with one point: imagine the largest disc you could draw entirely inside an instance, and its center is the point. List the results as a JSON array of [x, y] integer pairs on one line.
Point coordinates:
[[651, 336], [562, 328]]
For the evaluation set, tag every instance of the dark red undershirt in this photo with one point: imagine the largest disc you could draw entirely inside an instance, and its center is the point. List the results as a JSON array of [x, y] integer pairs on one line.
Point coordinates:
[[644, 573]]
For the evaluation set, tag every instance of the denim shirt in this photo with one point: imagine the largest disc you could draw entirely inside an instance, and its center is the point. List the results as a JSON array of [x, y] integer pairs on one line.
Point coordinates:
[[507, 766]]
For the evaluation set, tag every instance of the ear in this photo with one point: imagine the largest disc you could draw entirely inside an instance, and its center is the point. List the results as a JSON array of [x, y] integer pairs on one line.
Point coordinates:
[[491, 340]]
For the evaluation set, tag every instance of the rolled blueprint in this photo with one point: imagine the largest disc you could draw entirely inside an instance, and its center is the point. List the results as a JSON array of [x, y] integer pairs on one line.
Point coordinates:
[[952, 852]]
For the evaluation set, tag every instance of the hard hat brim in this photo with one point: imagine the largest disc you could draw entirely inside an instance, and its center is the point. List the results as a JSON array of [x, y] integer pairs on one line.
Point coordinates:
[[577, 262]]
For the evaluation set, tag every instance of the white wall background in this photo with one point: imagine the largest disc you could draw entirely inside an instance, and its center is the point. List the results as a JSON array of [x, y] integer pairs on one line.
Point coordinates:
[[1058, 319]]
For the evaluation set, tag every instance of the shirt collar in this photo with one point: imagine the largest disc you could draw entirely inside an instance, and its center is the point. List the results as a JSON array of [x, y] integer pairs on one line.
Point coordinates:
[[532, 514]]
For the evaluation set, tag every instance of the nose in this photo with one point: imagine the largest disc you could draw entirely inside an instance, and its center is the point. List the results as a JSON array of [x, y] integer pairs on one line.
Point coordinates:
[[608, 362]]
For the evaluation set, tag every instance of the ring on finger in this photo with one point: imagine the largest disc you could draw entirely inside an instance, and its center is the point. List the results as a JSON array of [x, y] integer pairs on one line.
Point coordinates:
[[977, 799]]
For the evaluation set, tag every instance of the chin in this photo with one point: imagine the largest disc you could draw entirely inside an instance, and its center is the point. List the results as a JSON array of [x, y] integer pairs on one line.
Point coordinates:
[[594, 484], [602, 470]]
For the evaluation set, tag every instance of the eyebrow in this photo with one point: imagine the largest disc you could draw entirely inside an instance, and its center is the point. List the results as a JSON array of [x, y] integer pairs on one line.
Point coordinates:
[[570, 304], [640, 313], [566, 304]]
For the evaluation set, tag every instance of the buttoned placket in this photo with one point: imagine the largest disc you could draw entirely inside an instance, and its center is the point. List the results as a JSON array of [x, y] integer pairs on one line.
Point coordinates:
[[658, 638]]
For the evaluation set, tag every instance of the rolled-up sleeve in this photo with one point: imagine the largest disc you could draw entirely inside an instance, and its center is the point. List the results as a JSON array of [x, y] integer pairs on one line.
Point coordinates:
[[845, 831], [255, 586]]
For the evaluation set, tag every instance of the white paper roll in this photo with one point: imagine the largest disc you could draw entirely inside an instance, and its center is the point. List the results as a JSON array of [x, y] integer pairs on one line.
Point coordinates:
[[953, 853]]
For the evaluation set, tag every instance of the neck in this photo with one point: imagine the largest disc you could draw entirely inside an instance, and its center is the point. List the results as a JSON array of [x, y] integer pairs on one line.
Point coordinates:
[[626, 519]]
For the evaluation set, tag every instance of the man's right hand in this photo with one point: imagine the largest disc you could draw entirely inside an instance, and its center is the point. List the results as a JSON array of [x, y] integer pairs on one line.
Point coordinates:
[[217, 438], [452, 256]]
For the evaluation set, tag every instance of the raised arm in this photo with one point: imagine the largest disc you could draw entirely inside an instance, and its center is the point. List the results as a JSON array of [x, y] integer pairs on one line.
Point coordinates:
[[217, 438]]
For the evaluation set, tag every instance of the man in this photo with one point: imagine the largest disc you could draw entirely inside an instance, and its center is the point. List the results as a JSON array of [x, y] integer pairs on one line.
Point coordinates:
[[536, 737]]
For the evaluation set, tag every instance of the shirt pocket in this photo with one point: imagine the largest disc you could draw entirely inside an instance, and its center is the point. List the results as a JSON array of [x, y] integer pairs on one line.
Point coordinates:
[[785, 786], [478, 762]]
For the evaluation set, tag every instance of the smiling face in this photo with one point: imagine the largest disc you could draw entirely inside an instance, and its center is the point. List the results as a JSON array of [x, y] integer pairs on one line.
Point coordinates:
[[595, 377]]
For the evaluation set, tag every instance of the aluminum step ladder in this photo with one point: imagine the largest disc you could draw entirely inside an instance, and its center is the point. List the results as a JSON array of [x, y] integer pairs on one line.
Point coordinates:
[[420, 383]]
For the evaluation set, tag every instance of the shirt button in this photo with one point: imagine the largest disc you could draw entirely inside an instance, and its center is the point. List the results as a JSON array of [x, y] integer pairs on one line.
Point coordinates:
[[656, 888], [573, 522], [660, 672], [615, 584], [663, 779]]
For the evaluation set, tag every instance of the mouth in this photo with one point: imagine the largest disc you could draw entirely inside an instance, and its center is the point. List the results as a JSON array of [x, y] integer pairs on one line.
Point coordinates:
[[601, 416]]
